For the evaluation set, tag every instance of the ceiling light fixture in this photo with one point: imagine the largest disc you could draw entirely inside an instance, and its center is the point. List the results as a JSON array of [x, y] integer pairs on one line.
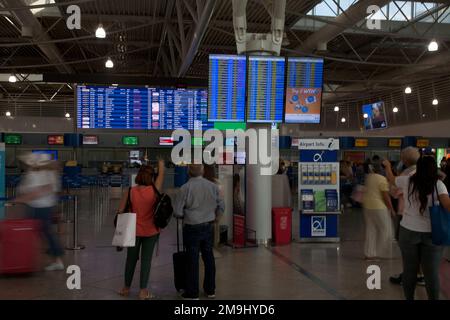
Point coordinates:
[[67, 115], [336, 109], [100, 32], [365, 115], [8, 113], [435, 102], [408, 90], [343, 120], [12, 78], [433, 46], [395, 110], [109, 64]]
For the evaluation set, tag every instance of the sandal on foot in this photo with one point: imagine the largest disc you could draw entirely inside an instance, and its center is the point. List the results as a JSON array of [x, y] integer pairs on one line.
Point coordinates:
[[124, 292]]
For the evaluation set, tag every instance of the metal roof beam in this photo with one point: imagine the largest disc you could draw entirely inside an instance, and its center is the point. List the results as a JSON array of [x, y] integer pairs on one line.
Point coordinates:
[[29, 21]]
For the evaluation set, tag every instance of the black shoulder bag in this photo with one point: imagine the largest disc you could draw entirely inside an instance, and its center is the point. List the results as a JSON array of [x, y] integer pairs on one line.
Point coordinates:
[[163, 209]]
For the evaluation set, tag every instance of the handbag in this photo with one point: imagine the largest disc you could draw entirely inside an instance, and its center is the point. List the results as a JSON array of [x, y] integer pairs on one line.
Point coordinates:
[[440, 223], [127, 206], [125, 234], [163, 209]]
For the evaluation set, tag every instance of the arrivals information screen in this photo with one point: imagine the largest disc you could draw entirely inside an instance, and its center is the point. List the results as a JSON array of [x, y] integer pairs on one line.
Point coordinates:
[[103, 107], [227, 85], [265, 96]]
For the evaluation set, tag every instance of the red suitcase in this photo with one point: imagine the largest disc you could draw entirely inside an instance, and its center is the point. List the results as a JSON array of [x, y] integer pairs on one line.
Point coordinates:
[[19, 240]]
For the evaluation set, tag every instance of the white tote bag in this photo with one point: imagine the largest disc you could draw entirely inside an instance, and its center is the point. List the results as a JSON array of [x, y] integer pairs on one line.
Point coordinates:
[[125, 235]]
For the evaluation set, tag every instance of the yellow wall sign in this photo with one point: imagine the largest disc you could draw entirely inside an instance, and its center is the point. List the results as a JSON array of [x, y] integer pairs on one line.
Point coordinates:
[[395, 143], [422, 143], [361, 143]]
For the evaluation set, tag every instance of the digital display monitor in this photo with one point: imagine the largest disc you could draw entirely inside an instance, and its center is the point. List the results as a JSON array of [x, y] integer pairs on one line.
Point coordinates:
[[165, 141], [103, 107], [265, 96], [304, 90], [376, 116], [226, 88], [55, 140], [90, 140], [130, 140], [135, 157], [52, 153], [12, 139]]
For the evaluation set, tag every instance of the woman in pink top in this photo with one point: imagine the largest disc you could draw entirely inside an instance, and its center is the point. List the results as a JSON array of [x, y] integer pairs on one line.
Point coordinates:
[[143, 199]]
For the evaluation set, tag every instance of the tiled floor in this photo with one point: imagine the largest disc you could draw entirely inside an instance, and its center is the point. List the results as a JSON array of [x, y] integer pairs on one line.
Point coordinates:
[[297, 271]]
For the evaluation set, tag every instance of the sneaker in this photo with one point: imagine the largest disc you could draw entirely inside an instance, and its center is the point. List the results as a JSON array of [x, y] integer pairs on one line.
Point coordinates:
[[55, 267], [420, 281], [396, 279], [211, 296], [187, 297]]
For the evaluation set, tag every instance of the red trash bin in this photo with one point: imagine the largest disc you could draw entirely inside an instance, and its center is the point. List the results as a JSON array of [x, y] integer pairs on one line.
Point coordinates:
[[281, 226]]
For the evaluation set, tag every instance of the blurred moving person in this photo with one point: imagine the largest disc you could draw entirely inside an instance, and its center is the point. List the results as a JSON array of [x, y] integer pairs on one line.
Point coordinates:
[[39, 190], [415, 228], [377, 209], [143, 199], [199, 203]]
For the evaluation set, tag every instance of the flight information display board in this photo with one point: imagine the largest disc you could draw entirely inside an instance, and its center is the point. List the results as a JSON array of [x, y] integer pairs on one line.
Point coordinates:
[[227, 85], [265, 96], [304, 90], [103, 107]]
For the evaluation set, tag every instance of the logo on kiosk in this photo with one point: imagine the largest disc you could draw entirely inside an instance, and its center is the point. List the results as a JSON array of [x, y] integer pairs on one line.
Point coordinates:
[[318, 226]]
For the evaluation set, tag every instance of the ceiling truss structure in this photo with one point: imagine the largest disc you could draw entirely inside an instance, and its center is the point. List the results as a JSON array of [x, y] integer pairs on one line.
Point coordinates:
[[173, 38]]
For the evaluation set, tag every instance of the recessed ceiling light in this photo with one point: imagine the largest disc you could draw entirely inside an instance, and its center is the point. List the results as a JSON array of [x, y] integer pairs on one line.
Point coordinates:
[[12, 78], [435, 102], [343, 120], [8, 113], [395, 110], [42, 100], [408, 90], [433, 46], [67, 115], [336, 108], [365, 115], [100, 32]]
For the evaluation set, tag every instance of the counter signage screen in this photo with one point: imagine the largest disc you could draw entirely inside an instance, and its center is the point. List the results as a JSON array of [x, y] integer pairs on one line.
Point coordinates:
[[265, 89], [12, 139], [304, 90], [165, 141], [90, 140], [376, 116], [226, 88], [130, 141], [52, 153], [103, 107], [55, 140]]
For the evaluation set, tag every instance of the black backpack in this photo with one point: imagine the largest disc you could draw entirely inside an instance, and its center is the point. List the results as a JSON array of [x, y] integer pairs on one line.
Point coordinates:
[[163, 209]]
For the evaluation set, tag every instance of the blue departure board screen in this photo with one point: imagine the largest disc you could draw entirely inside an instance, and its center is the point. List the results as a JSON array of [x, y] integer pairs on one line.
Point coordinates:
[[102, 107], [265, 97], [304, 90], [227, 85]]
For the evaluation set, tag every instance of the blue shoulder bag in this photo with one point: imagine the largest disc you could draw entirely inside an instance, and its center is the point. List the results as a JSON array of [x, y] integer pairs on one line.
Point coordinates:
[[440, 223]]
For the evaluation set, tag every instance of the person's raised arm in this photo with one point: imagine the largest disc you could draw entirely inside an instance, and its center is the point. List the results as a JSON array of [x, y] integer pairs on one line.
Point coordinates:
[[161, 170], [389, 174]]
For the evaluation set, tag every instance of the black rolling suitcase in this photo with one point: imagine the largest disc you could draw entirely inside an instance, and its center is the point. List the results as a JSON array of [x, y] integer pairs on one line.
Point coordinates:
[[179, 264]]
